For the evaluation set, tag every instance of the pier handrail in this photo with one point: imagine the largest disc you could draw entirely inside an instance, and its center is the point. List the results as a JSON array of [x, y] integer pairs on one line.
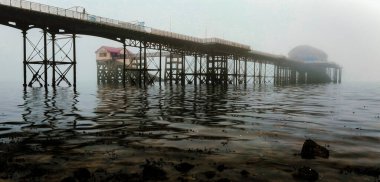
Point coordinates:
[[116, 23]]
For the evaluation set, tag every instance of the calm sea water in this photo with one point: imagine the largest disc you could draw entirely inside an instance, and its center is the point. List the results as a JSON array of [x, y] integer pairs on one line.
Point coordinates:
[[259, 129]]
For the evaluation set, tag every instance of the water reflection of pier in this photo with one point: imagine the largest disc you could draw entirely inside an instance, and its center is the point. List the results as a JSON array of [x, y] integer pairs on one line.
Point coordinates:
[[49, 114]]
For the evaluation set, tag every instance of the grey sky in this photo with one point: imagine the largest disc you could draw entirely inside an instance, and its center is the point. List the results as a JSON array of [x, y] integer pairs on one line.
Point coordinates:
[[348, 30]]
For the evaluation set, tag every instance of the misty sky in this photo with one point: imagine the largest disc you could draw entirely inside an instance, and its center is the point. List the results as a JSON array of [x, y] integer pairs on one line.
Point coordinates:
[[347, 30]]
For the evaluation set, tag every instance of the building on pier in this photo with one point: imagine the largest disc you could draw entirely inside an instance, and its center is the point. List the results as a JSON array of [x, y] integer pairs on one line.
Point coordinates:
[[312, 55], [110, 63]]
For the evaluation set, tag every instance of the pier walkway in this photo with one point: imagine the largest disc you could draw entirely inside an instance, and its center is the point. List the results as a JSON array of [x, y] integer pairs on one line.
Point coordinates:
[[187, 59]]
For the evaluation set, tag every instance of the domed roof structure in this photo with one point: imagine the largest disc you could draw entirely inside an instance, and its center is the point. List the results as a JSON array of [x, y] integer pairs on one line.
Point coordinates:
[[307, 53]]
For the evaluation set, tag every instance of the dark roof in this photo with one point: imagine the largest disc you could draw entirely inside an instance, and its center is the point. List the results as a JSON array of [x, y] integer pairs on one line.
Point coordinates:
[[307, 53]]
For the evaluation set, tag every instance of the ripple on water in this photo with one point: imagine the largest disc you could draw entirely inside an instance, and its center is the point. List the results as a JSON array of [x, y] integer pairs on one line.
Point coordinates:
[[261, 128]]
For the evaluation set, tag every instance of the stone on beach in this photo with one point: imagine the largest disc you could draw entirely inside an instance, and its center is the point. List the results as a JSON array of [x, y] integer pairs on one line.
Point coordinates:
[[311, 149]]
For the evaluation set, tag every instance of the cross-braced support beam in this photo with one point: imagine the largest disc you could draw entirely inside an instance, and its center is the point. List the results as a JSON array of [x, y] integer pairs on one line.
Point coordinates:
[[39, 58]]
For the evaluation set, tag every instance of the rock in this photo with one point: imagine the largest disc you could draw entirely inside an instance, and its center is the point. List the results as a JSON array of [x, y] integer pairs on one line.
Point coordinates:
[[224, 180], [69, 179], [184, 167], [361, 170], [151, 172], [209, 174], [82, 174], [311, 149], [221, 168], [244, 173], [306, 173]]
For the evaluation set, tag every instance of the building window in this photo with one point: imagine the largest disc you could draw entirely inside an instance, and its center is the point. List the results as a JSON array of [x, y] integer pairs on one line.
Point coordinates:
[[103, 54]]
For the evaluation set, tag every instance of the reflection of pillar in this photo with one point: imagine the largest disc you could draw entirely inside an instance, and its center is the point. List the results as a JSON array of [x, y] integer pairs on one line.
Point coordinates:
[[24, 61]]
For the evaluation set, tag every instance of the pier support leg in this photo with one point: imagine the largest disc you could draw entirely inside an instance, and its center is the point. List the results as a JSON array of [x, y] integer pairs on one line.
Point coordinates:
[[340, 75], [293, 76], [124, 61], [24, 56], [74, 62], [245, 71], [140, 66], [260, 72], [145, 70], [236, 70], [265, 72], [335, 75], [45, 61], [53, 57], [196, 69], [301, 77], [254, 72], [160, 66]]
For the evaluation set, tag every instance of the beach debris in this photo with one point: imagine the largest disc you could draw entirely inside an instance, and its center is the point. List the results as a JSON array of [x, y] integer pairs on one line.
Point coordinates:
[[311, 149], [154, 173], [184, 167], [306, 173]]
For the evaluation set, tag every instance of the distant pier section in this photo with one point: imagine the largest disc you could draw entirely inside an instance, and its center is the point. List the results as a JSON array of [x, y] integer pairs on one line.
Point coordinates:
[[161, 56]]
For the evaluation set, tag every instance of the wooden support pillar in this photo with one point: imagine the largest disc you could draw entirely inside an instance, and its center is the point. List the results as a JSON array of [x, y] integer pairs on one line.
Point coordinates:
[[145, 72], [265, 72], [124, 61], [301, 77], [140, 67], [245, 70], [254, 72], [340, 75], [45, 59], [260, 72], [195, 70], [74, 62], [200, 69], [293, 76], [53, 57], [171, 68], [183, 74], [236, 69], [160, 67], [24, 56]]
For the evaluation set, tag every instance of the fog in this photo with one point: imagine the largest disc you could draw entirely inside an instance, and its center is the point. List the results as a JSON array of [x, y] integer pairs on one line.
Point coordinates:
[[347, 30]]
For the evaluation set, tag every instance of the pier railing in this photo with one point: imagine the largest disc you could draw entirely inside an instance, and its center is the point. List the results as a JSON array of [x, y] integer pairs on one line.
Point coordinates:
[[116, 23]]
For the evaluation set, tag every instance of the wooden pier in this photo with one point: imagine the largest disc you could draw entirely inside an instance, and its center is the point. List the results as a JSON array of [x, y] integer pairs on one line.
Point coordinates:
[[162, 57]]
